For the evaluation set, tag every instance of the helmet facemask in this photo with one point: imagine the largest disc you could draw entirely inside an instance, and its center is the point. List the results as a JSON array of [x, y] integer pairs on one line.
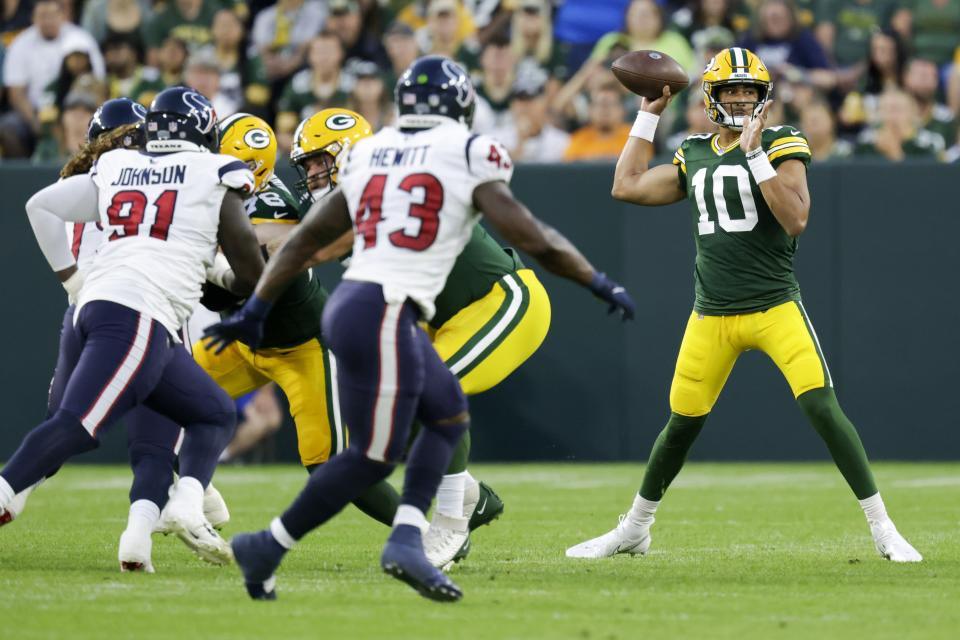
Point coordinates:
[[315, 186], [721, 112]]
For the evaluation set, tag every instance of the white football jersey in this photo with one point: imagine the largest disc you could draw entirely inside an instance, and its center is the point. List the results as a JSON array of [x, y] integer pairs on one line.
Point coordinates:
[[85, 239], [411, 200], [160, 214]]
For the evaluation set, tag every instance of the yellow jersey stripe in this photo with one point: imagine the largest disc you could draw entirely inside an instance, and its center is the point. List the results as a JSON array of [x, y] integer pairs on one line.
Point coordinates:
[[780, 141], [792, 150], [269, 221], [679, 153], [678, 159]]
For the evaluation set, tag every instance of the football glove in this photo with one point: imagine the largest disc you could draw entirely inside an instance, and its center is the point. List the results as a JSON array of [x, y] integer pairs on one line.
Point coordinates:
[[246, 325], [609, 291]]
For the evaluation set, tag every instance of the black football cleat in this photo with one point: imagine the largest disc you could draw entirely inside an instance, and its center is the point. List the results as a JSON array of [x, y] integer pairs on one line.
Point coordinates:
[[258, 555], [403, 558]]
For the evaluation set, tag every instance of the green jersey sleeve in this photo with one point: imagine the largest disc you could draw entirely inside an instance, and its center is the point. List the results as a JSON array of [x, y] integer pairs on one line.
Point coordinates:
[[785, 143], [274, 204]]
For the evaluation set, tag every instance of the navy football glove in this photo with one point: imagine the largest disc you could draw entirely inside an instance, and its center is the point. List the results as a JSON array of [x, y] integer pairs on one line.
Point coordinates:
[[246, 325], [609, 291]]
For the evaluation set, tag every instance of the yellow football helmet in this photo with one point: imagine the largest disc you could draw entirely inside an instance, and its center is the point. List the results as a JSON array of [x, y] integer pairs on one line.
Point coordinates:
[[730, 67], [251, 140], [330, 131]]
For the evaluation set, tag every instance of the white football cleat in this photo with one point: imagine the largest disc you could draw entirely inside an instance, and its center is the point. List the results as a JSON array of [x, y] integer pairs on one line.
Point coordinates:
[[626, 537], [135, 550], [17, 505], [184, 517], [444, 539], [891, 544], [215, 507]]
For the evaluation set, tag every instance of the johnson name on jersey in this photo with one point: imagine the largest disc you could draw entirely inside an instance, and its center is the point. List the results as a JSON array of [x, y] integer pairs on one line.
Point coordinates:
[[410, 196], [160, 214], [744, 257]]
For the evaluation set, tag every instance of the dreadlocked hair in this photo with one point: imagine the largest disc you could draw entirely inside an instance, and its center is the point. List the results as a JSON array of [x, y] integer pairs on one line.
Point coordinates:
[[88, 154]]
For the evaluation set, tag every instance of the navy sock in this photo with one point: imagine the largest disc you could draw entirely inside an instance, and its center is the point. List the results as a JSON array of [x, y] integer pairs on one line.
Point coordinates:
[[202, 446], [330, 488], [46, 448], [152, 473], [428, 460]]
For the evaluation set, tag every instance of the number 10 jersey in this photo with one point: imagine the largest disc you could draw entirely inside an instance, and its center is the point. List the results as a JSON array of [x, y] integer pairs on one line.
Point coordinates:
[[744, 257], [410, 196], [160, 214]]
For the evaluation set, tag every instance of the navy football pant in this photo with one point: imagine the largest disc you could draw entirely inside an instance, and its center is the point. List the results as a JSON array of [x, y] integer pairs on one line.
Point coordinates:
[[117, 360], [388, 374], [151, 438]]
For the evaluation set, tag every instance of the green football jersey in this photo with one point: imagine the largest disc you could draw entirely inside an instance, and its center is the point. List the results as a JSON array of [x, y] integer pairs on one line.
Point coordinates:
[[295, 318], [482, 262], [744, 257]]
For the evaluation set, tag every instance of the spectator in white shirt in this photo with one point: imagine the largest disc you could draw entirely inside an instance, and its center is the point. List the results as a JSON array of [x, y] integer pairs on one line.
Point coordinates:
[[33, 61], [531, 137]]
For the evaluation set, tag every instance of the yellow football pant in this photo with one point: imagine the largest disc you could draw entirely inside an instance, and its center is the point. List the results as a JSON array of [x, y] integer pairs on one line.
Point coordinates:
[[489, 339], [712, 344], [308, 378]]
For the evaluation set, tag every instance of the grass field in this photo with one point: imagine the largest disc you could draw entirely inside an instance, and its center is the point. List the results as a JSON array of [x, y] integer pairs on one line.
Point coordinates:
[[739, 551]]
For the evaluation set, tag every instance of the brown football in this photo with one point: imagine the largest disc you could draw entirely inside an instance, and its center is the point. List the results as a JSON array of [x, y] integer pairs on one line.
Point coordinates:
[[646, 72]]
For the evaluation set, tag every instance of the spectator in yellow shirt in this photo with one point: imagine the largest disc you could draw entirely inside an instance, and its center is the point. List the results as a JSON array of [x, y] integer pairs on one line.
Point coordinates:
[[604, 137]]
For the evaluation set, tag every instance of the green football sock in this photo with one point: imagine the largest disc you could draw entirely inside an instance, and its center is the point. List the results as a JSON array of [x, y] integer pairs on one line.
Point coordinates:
[[669, 453], [824, 412], [461, 455], [380, 501]]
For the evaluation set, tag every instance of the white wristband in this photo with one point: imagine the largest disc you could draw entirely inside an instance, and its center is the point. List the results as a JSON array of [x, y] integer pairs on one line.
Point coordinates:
[[220, 273], [645, 126], [760, 166], [72, 286]]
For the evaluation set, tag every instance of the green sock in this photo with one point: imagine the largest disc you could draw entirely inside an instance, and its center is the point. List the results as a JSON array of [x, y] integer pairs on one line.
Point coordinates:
[[380, 501], [824, 412], [461, 455], [669, 453]]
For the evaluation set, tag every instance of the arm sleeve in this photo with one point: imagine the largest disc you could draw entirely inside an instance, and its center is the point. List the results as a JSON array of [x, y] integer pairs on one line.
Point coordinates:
[[487, 160], [234, 174], [46, 213]]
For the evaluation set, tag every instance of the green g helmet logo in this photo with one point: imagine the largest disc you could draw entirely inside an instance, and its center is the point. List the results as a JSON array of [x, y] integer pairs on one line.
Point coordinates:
[[257, 139], [340, 122]]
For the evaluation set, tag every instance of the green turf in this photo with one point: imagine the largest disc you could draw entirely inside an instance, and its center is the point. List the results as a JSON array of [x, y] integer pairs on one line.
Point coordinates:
[[739, 551]]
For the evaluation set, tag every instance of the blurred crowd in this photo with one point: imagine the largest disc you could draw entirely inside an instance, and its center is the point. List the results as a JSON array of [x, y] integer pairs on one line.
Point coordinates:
[[861, 78]]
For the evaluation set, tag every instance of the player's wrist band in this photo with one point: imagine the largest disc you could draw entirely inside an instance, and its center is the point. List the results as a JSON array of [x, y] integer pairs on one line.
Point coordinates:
[[760, 165], [645, 126], [74, 283]]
